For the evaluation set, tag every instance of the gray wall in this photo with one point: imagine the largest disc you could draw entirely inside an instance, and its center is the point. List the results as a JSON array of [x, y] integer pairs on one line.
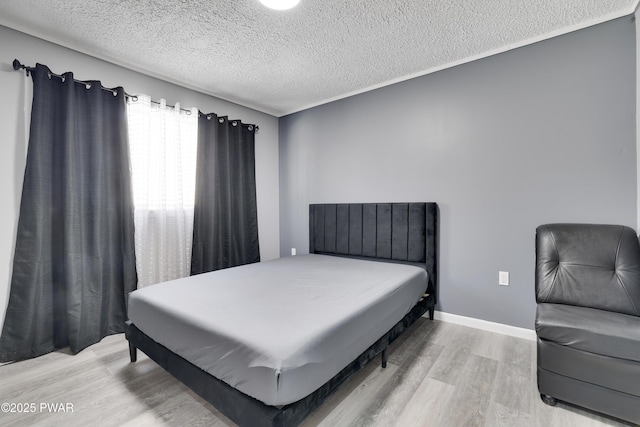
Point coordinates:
[[14, 121], [543, 133]]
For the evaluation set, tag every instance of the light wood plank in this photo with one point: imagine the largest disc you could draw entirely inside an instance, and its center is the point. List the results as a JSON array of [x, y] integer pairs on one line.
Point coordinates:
[[458, 344], [499, 415], [402, 387], [353, 407], [490, 345], [474, 385], [425, 406]]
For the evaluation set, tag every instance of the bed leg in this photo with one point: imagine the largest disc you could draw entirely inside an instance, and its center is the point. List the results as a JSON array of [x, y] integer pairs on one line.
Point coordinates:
[[431, 312], [384, 358], [133, 352]]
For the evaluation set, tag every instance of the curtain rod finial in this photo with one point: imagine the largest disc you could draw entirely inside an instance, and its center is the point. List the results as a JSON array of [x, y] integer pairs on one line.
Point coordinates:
[[17, 66]]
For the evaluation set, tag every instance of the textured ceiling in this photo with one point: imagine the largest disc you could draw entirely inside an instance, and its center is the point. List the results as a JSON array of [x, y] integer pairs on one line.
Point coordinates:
[[281, 62]]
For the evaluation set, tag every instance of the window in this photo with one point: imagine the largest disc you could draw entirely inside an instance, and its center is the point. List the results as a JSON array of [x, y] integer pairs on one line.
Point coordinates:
[[163, 148]]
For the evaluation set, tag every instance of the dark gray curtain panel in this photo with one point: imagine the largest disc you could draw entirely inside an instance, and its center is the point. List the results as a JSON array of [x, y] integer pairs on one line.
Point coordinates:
[[74, 261], [225, 228]]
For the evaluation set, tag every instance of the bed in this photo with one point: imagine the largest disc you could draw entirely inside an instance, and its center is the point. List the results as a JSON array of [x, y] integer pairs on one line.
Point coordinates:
[[267, 343]]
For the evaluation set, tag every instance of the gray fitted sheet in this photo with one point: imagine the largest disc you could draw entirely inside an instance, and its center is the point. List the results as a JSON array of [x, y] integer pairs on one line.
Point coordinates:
[[280, 329]]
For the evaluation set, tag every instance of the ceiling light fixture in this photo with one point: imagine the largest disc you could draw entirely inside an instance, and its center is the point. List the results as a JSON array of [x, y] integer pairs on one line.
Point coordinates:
[[280, 4]]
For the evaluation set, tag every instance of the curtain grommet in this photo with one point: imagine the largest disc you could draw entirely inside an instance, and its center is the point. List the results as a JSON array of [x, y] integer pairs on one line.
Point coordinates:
[[221, 120]]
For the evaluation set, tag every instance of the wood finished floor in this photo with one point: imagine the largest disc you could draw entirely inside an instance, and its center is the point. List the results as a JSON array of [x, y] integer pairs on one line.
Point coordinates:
[[439, 374]]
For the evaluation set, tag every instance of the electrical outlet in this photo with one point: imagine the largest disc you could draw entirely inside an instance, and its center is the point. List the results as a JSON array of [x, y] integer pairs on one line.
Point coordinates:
[[293, 251], [503, 278]]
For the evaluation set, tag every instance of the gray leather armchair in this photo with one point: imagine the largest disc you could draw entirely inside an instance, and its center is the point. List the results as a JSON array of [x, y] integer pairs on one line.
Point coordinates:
[[587, 324]]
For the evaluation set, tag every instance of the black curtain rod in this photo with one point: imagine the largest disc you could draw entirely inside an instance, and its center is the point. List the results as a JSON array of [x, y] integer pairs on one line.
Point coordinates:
[[17, 65]]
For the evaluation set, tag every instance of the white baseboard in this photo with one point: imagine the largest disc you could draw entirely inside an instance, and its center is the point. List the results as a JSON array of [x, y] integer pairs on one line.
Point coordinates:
[[485, 325]]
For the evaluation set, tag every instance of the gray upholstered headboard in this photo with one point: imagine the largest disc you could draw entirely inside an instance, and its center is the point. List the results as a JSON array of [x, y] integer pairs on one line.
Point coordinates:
[[395, 232]]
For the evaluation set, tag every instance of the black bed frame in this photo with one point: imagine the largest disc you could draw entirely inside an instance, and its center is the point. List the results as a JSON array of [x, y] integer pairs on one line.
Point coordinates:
[[393, 232]]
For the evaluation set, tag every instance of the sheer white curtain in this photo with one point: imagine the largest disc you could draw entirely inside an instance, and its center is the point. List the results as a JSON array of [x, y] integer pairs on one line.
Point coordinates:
[[163, 144]]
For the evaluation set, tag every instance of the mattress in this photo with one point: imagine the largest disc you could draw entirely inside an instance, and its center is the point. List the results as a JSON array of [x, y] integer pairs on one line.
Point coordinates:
[[278, 330]]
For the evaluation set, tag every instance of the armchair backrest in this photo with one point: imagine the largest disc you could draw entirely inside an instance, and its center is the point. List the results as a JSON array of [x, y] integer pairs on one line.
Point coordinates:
[[589, 265]]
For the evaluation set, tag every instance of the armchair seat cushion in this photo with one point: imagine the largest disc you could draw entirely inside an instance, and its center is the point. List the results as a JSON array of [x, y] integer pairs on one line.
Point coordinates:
[[588, 329]]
